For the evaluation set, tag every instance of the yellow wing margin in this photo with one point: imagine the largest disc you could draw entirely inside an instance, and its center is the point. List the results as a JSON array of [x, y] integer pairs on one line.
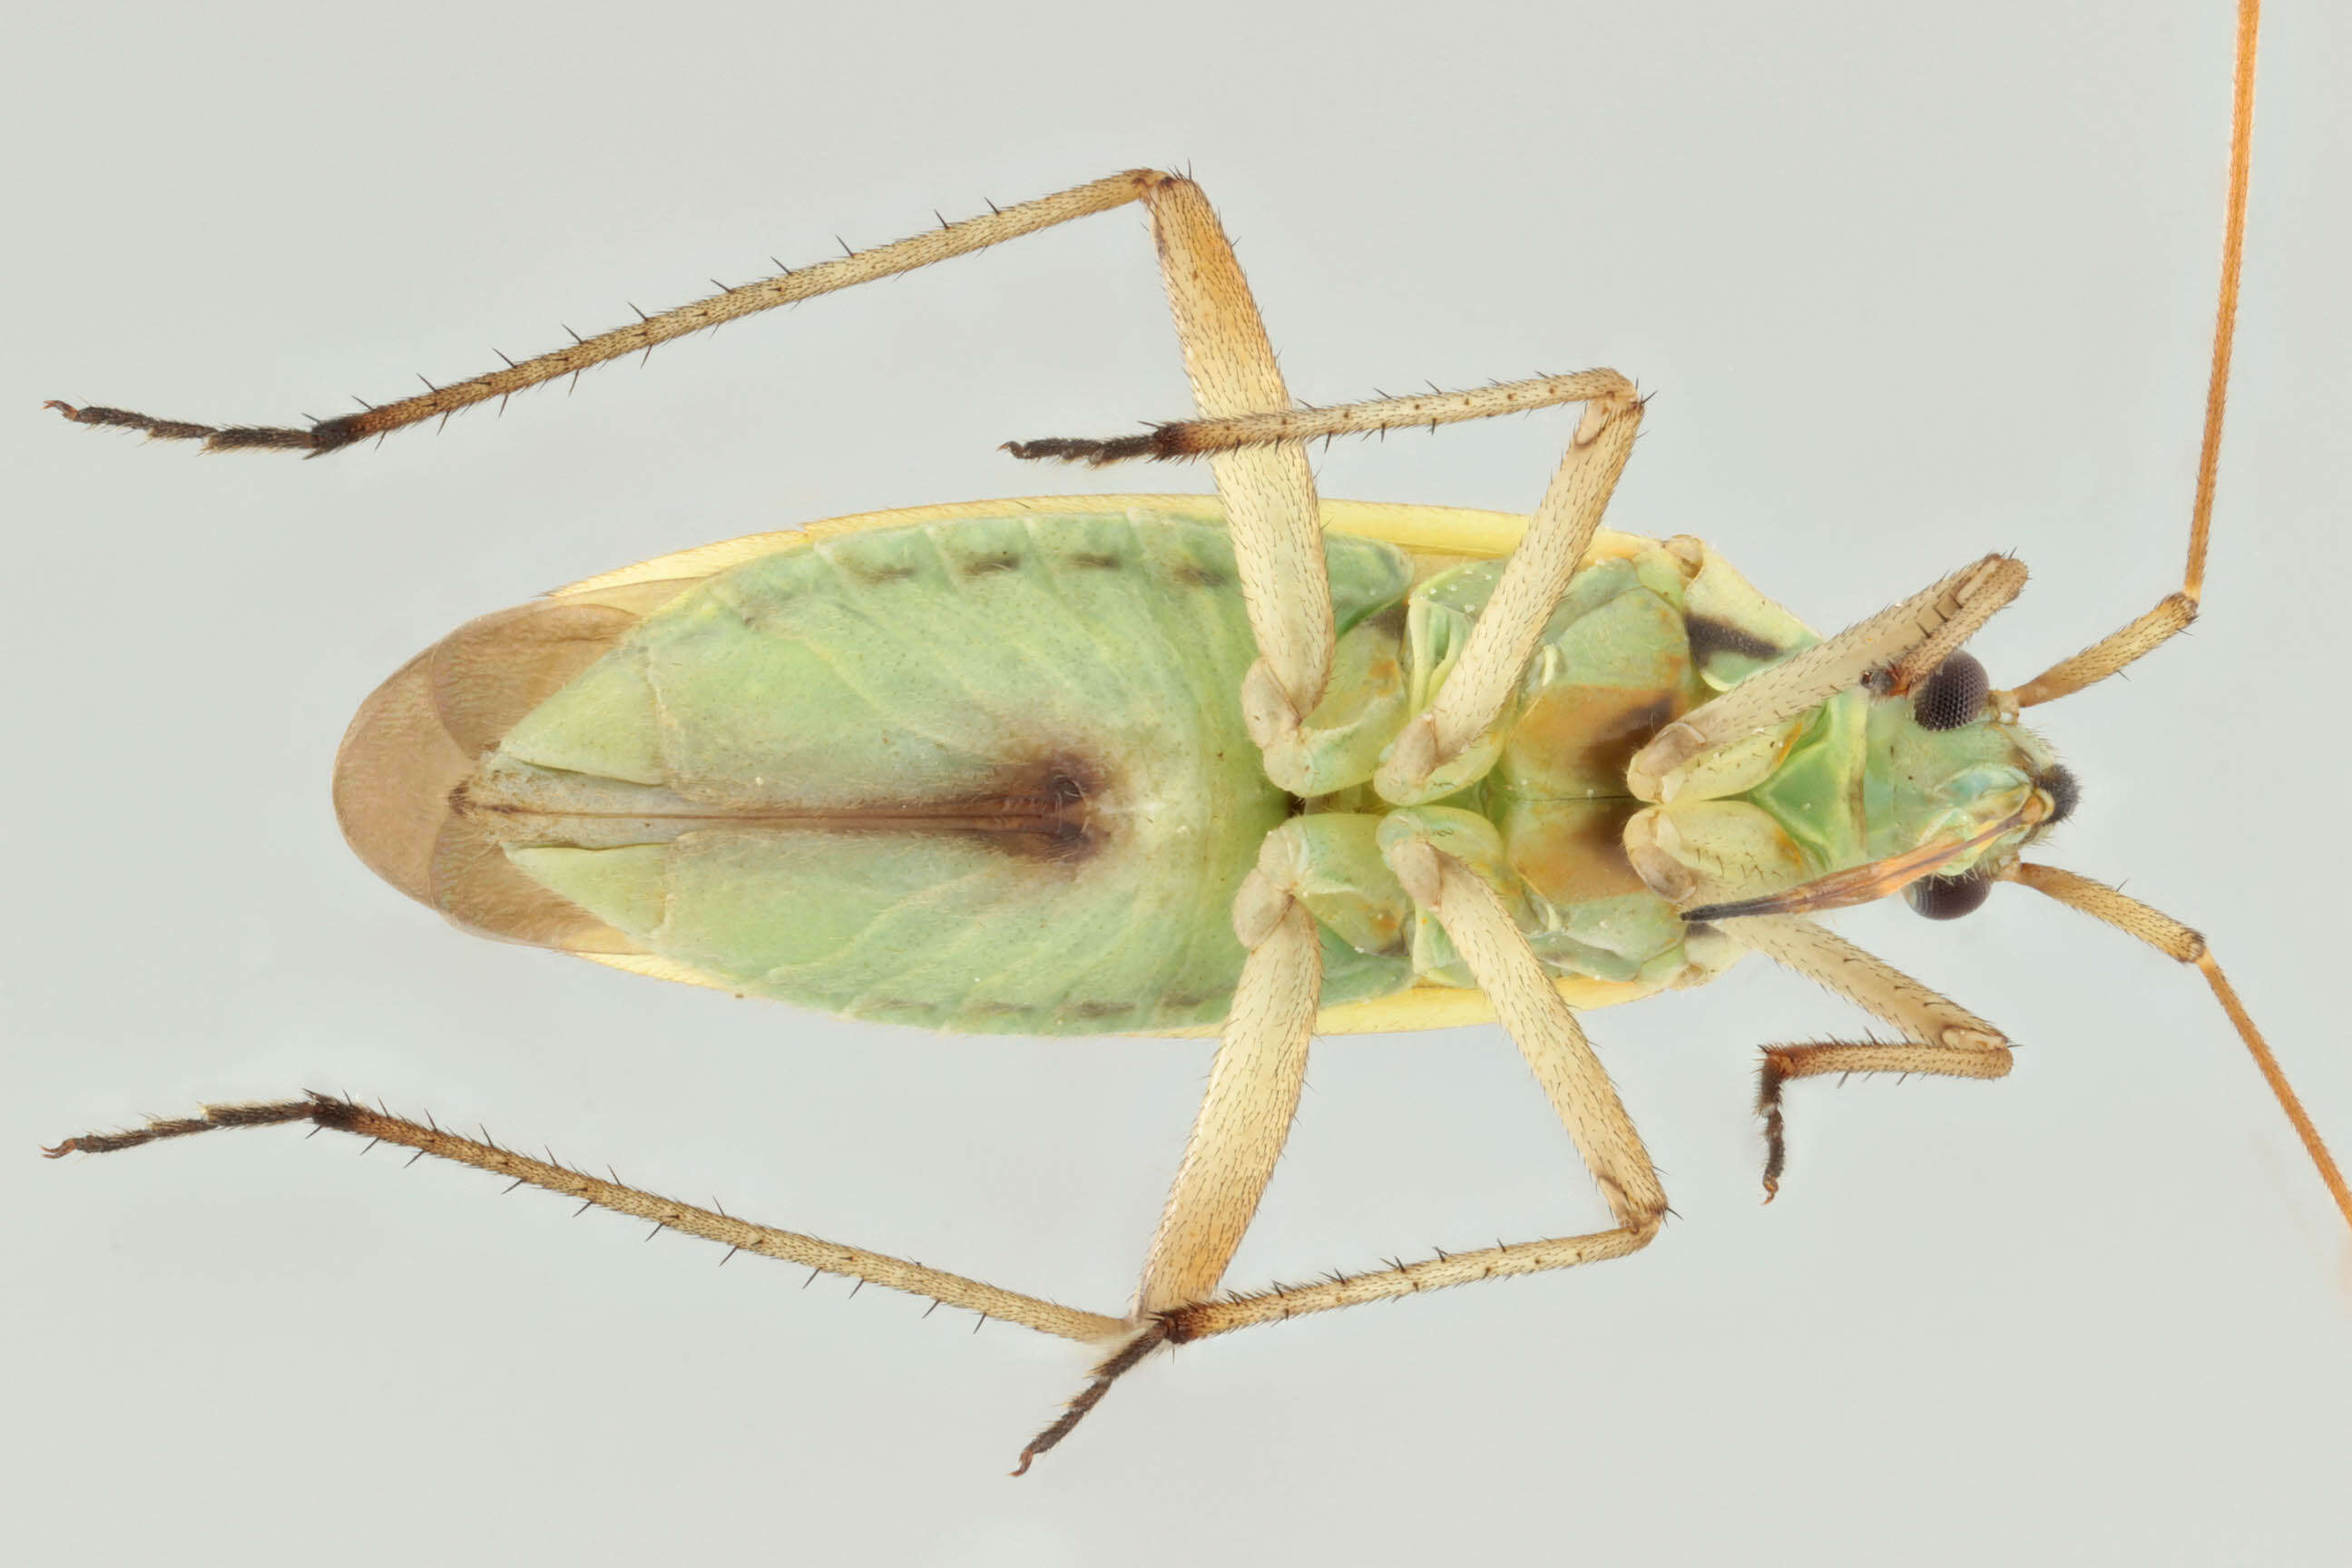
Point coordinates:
[[1452, 531], [1422, 1007]]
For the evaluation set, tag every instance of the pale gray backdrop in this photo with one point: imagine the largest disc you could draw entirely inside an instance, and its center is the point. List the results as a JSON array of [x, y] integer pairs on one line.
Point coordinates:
[[1911, 283]]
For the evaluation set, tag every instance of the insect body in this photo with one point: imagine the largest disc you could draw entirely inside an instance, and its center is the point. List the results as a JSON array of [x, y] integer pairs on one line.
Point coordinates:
[[1092, 765], [986, 773]]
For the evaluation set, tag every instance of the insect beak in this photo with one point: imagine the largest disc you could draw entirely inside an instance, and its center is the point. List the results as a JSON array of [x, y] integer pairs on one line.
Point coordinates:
[[1865, 884]]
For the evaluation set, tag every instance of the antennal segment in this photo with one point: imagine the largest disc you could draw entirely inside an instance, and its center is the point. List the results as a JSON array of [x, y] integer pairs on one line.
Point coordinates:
[[2173, 614], [2170, 937]]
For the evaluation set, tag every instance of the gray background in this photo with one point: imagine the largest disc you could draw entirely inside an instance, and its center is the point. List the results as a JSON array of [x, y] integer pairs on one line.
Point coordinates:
[[1912, 282]]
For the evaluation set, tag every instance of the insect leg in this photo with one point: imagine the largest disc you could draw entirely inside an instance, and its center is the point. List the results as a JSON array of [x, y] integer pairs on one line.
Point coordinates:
[[1269, 491], [1245, 1114], [1245, 1119], [1571, 1077], [1941, 1037], [743, 1236], [1508, 628], [744, 299], [1203, 438]]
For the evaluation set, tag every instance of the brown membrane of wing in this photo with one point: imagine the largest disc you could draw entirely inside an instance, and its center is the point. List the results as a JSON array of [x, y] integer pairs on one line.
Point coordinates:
[[421, 734]]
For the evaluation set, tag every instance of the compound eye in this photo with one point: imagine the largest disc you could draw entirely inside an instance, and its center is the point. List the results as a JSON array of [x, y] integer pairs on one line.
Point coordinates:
[[1950, 898], [1953, 696]]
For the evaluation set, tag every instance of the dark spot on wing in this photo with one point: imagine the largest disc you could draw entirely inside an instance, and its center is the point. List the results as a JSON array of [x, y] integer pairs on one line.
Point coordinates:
[[1192, 575], [1710, 636], [984, 565], [1096, 561], [1096, 1009], [1042, 811], [869, 573], [771, 610]]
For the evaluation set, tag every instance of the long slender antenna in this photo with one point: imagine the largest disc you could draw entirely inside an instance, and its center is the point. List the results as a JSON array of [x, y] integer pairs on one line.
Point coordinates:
[[2179, 942], [2225, 312], [2173, 612]]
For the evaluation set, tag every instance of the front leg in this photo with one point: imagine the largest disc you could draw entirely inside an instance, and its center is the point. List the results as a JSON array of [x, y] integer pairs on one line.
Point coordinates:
[[1940, 1036]]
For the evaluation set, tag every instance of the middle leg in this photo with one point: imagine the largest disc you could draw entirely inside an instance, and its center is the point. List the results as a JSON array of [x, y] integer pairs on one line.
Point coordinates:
[[1255, 441], [1529, 1006]]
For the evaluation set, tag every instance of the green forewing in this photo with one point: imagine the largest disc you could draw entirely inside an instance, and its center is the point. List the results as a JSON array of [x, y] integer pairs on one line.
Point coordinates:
[[835, 752]]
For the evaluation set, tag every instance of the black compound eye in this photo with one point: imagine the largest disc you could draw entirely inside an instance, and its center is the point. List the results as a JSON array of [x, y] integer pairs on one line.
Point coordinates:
[[1950, 898], [1953, 696]]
